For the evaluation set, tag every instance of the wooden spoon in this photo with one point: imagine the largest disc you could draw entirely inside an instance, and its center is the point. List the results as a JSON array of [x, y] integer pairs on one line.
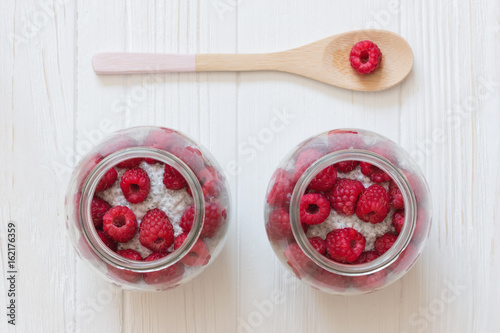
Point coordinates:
[[326, 60]]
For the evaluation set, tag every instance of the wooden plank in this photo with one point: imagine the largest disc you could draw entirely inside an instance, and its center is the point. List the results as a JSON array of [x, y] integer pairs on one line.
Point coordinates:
[[202, 106], [37, 89], [99, 101], [53, 108]]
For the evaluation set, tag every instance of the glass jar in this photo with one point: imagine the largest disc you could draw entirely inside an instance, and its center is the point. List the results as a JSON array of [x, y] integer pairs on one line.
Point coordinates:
[[368, 262], [187, 200]]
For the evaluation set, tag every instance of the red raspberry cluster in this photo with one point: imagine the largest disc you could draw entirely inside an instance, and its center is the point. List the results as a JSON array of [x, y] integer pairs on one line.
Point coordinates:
[[333, 189], [371, 205], [155, 231]]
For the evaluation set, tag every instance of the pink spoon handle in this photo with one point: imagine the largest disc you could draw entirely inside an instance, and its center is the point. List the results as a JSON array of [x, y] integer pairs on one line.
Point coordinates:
[[137, 63]]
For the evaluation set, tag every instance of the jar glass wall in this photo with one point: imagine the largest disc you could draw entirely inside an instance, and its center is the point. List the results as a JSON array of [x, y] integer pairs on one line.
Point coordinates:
[[162, 178], [342, 180]]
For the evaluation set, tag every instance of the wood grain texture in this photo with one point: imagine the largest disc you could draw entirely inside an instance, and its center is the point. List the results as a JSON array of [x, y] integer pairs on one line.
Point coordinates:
[[324, 60], [142, 63], [445, 113]]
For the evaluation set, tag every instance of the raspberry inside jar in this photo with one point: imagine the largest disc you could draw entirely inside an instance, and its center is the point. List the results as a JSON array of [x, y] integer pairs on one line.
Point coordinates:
[[354, 201], [147, 207], [150, 205], [367, 189]]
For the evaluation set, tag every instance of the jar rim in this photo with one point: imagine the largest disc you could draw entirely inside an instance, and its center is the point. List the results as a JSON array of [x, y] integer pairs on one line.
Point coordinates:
[[404, 237], [88, 191]]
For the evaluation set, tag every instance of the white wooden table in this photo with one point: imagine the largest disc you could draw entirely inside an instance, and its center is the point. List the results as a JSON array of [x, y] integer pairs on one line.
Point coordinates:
[[53, 107]]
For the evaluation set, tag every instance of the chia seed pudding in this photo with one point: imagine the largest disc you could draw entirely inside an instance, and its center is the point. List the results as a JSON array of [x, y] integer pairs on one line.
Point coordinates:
[[172, 202]]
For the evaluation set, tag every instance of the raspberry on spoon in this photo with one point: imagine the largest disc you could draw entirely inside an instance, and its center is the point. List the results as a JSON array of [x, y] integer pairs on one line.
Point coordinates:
[[365, 57]]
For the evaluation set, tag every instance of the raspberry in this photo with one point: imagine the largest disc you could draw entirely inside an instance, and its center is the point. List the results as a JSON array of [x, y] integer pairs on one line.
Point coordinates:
[[324, 180], [163, 139], [197, 256], [129, 164], [213, 219], [135, 185], [365, 257], [159, 139], [398, 220], [128, 275], [169, 275], [365, 57], [319, 244], [314, 208], [108, 241], [298, 261], [107, 180], [191, 156], [172, 179], [386, 150], [373, 204], [346, 166], [156, 233], [130, 254], [281, 192], [369, 282], [397, 201], [211, 182], [98, 208], [384, 243], [151, 161], [304, 161], [342, 139], [345, 245], [376, 175], [120, 224], [344, 195], [331, 281], [278, 226]]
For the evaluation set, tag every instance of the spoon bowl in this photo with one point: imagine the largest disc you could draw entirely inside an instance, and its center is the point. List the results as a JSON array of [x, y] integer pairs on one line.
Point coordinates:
[[326, 60], [333, 66]]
